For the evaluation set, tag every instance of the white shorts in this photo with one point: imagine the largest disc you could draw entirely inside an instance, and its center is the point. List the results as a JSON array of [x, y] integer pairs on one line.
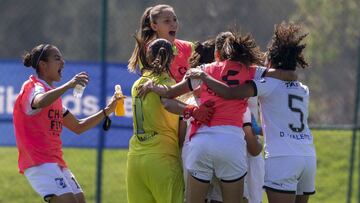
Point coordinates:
[[219, 151], [254, 179], [214, 192], [49, 179], [253, 182], [290, 174]]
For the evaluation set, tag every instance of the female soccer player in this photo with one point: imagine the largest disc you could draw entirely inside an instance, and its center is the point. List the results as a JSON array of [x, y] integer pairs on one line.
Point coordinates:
[[38, 119], [224, 138], [204, 53], [235, 47], [290, 164], [154, 172], [161, 21]]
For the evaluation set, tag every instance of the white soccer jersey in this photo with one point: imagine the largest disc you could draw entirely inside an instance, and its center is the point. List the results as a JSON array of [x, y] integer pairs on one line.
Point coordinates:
[[284, 107], [259, 72]]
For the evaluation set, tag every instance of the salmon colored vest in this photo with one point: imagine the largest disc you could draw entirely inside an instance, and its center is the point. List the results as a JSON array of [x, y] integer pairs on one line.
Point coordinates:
[[180, 63], [227, 112], [38, 136]]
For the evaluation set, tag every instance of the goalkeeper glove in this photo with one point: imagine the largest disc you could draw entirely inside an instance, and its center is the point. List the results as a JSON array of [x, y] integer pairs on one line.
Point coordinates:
[[201, 114]]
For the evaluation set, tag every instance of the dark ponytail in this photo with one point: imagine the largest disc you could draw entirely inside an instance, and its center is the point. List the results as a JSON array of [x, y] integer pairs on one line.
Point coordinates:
[[285, 49], [204, 53], [27, 59], [161, 62], [236, 47], [156, 58]]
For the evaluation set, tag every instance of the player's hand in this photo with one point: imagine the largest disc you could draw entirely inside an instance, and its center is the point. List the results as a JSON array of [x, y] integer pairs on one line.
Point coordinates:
[[81, 78], [145, 88], [195, 73], [201, 114], [112, 103]]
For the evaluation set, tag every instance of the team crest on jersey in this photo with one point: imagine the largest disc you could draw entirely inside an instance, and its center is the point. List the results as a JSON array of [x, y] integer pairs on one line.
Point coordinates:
[[60, 183]]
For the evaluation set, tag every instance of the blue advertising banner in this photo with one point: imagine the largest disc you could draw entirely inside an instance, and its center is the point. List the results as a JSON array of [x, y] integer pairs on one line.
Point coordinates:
[[13, 74]]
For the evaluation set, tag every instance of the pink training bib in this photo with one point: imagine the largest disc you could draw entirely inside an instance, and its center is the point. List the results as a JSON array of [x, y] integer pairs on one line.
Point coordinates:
[[180, 63], [38, 136], [227, 112]]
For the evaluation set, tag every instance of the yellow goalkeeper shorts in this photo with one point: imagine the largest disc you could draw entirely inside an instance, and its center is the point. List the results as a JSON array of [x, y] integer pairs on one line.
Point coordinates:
[[154, 178]]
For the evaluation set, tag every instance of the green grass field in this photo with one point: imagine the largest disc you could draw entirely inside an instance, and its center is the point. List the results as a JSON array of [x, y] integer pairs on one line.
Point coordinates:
[[333, 149]]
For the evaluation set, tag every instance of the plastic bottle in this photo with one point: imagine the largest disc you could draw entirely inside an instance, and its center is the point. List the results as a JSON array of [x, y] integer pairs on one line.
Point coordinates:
[[119, 110], [78, 91]]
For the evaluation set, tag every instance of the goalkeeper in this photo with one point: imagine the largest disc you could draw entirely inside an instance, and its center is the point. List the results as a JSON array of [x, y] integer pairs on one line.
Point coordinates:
[[154, 171]]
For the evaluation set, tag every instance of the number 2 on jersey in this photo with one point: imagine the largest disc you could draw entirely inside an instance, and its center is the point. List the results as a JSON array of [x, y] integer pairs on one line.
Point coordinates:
[[291, 98]]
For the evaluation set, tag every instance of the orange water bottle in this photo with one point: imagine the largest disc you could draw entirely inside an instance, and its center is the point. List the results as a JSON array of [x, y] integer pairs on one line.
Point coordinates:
[[119, 110]]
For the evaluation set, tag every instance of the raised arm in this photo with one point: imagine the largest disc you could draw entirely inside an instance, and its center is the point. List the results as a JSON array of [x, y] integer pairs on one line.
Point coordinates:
[[79, 126], [174, 106], [42, 100], [201, 114], [221, 89], [163, 90]]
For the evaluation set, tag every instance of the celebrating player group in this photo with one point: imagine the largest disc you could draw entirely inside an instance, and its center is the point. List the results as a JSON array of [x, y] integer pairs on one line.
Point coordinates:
[[195, 112]]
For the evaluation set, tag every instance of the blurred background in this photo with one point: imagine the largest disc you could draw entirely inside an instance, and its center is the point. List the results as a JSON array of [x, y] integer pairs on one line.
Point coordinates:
[[87, 34], [74, 26]]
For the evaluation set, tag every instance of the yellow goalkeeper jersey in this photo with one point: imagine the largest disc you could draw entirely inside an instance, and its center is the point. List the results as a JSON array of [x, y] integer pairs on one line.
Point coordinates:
[[155, 129]]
